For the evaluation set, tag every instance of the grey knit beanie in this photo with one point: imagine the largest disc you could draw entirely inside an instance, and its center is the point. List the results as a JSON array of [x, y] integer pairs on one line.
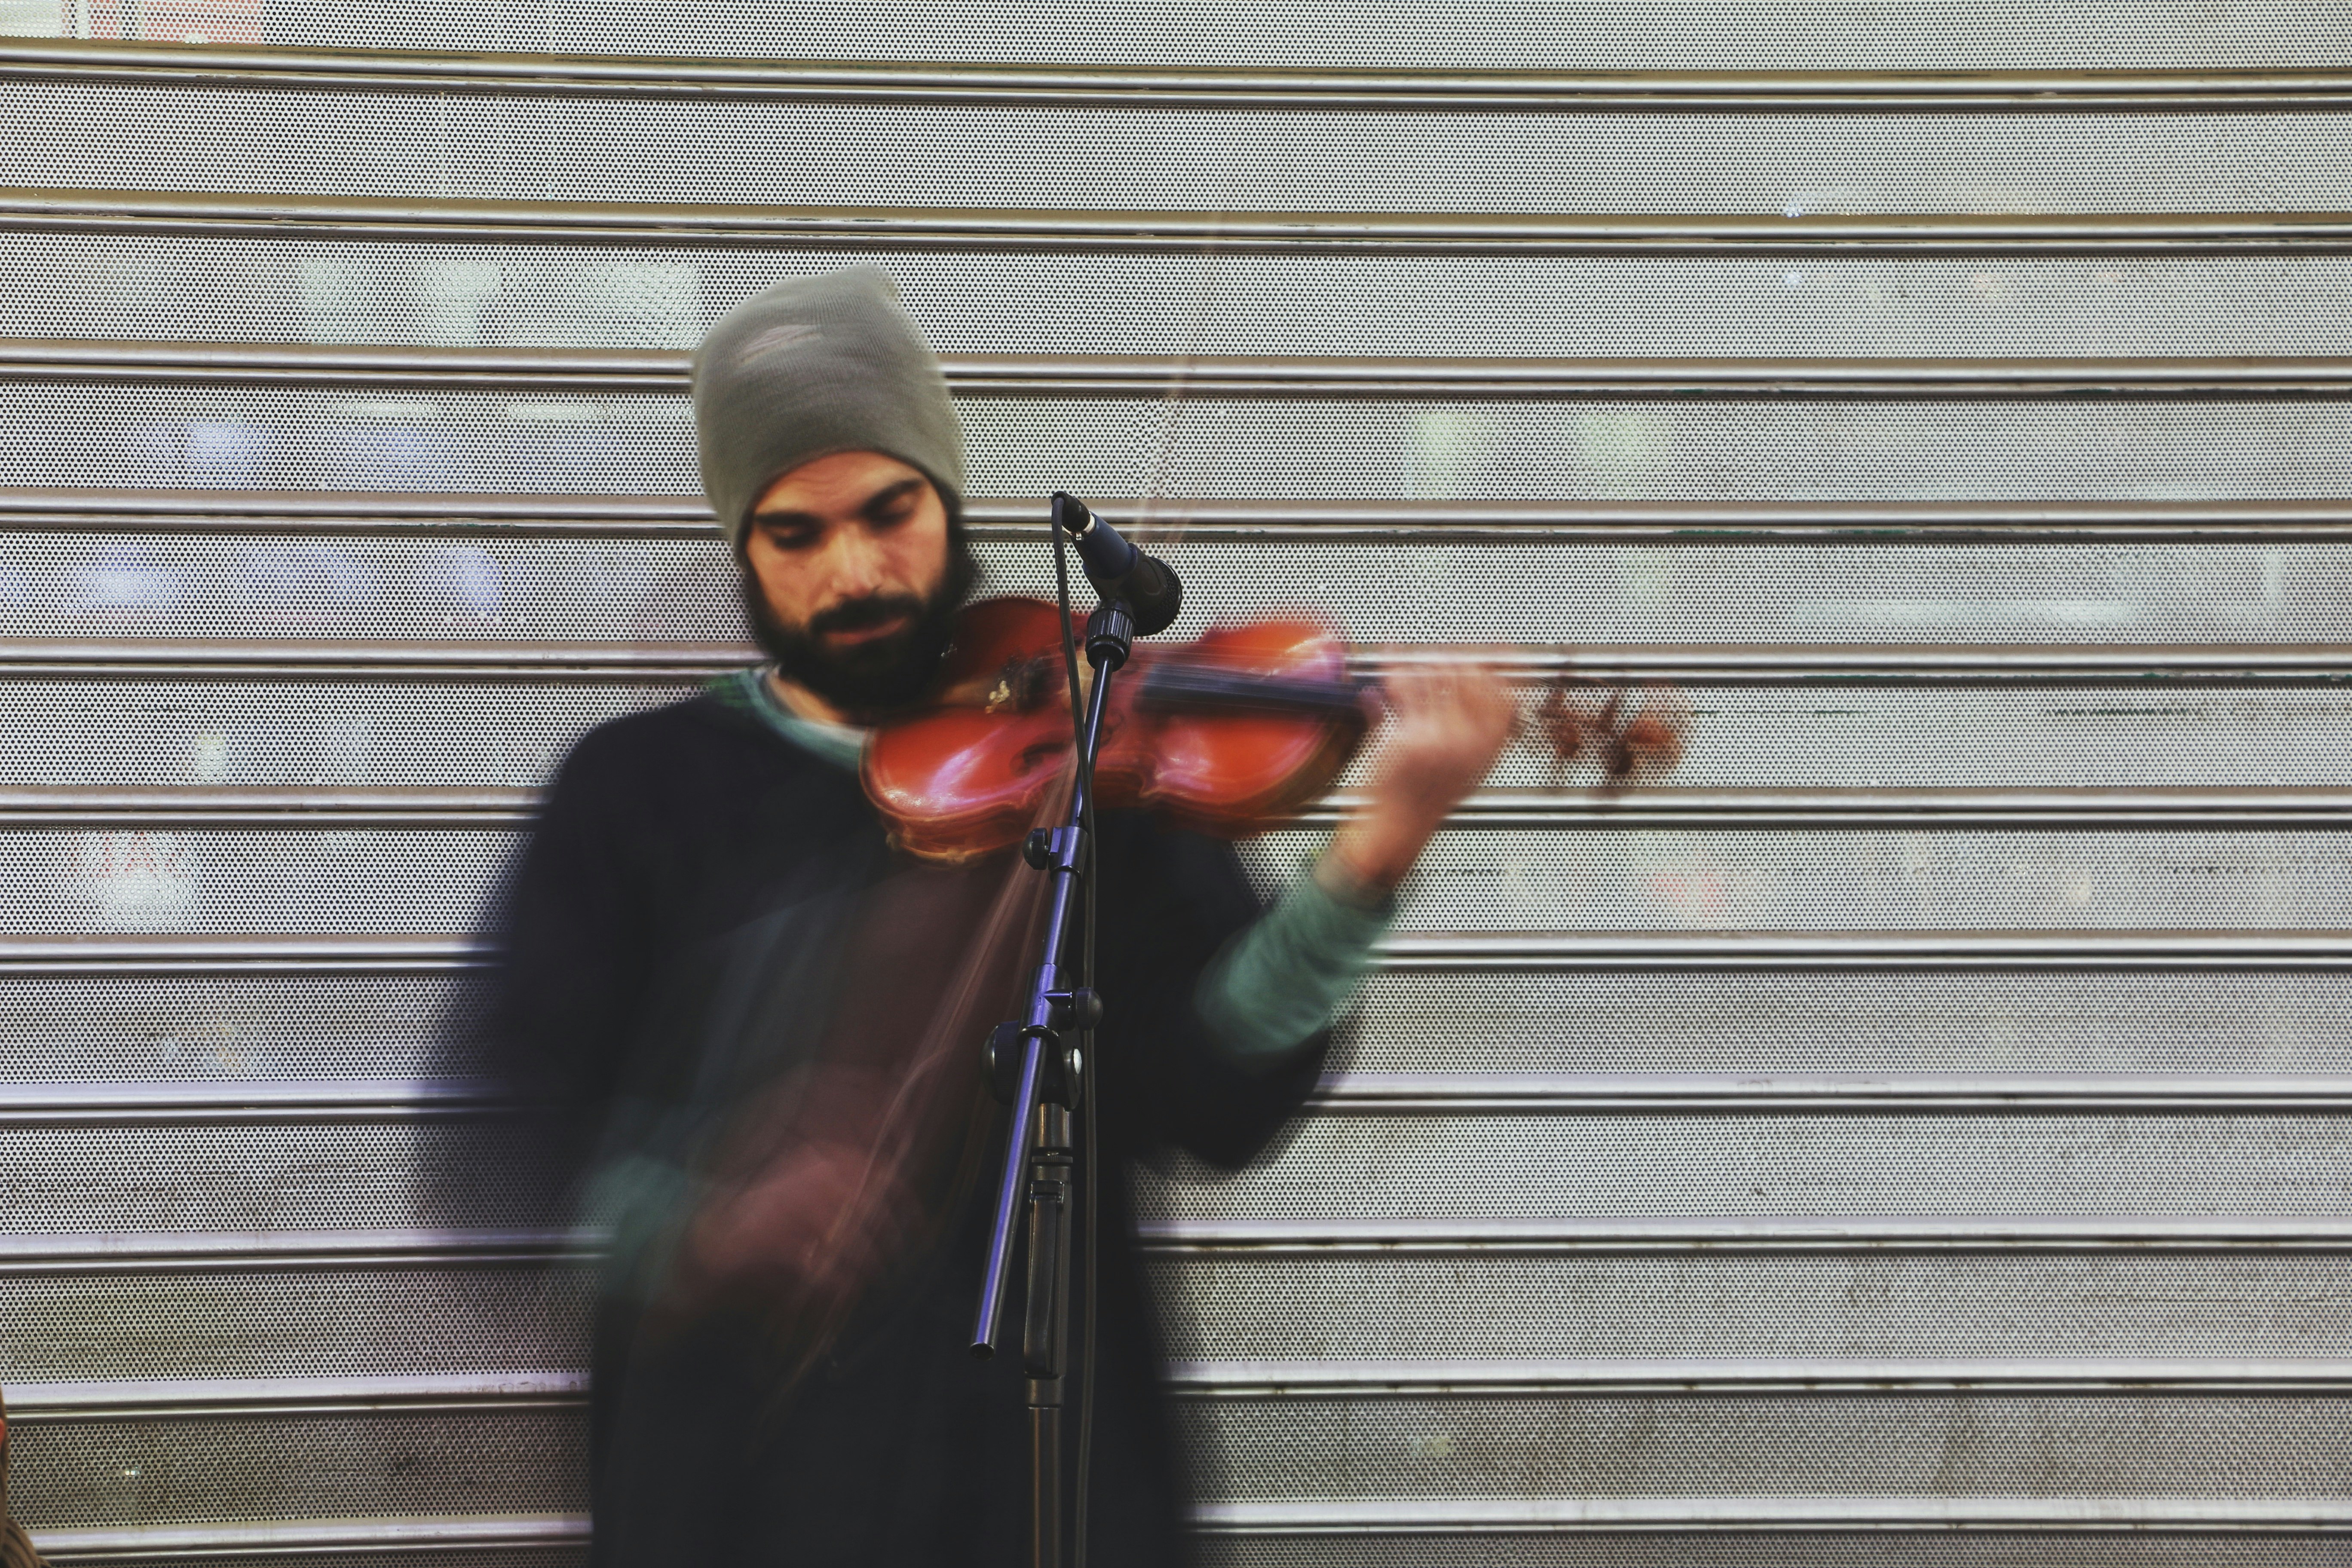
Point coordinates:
[[811, 367]]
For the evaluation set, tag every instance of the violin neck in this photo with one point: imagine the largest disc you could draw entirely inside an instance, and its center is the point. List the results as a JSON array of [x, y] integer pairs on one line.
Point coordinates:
[[1175, 684]]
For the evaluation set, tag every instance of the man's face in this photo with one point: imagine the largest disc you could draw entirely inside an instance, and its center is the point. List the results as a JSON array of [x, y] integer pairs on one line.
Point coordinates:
[[855, 578]]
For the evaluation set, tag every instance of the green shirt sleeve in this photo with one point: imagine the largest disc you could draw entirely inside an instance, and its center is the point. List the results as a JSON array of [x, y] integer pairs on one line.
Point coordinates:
[[1281, 980]]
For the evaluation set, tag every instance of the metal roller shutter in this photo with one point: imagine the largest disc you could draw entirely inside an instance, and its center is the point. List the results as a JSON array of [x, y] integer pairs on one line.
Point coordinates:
[[1915, 1137]]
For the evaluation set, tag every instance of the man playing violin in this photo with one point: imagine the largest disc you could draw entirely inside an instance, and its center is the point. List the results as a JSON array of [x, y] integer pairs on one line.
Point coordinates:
[[753, 1022]]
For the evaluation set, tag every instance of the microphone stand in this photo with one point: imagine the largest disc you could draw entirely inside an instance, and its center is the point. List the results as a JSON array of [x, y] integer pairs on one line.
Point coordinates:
[[1035, 1065]]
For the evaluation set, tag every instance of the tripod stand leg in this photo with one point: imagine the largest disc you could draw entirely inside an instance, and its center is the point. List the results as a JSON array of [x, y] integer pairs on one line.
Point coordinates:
[[1043, 1332], [1046, 1458]]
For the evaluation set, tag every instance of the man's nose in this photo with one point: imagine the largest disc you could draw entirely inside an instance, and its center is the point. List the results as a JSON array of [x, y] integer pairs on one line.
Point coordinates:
[[856, 564]]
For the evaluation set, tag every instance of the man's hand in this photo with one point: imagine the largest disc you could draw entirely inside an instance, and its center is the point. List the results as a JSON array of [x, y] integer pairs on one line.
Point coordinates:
[[1448, 725]]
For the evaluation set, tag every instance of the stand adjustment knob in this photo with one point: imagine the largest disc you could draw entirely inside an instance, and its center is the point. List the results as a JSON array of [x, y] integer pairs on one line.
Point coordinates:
[[1110, 634], [1079, 1009], [1000, 1061], [1061, 1067]]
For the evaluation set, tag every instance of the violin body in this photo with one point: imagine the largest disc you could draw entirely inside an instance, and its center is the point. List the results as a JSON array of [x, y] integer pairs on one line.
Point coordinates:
[[1227, 733]]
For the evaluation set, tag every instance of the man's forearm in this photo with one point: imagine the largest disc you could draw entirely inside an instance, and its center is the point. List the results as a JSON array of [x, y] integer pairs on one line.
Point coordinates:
[[1277, 983]]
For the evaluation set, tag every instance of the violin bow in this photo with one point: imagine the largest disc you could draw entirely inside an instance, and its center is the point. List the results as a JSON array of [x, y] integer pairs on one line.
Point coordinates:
[[1149, 526], [1631, 738]]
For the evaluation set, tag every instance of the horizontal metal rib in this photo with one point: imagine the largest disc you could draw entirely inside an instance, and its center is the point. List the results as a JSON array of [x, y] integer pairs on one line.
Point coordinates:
[[1924, 810], [374, 513], [1444, 951], [2064, 664], [1382, 1516], [1007, 520], [1749, 664], [1770, 1236], [51, 1402], [195, 1251], [115, 954], [2211, 810], [379, 809], [313, 1538], [1805, 1094], [1681, 1515], [1838, 951], [1348, 1093], [1639, 1379], [668, 224], [628, 663], [203, 1100], [298, 364], [551, 370], [1134, 86]]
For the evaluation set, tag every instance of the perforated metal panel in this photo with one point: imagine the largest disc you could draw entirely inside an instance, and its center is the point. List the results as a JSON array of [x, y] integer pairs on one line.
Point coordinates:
[[66, 1325], [1241, 1308], [321, 734], [1339, 1166], [364, 1027], [1772, 1448], [2157, 1226], [1569, 881], [253, 290], [237, 1029], [1848, 1023], [342, 733], [1388, 33], [205, 880], [305, 1468], [459, 144], [401, 439], [1862, 736], [137, 881], [86, 586], [308, 1176]]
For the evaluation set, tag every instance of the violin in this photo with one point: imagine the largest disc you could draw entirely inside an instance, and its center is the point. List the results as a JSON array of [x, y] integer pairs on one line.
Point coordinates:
[[1229, 733]]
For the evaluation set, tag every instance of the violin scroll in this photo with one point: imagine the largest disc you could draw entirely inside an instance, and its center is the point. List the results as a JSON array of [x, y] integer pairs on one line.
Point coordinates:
[[1633, 735]]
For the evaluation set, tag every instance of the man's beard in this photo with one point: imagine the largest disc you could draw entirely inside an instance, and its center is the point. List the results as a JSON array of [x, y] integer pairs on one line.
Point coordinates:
[[883, 673]]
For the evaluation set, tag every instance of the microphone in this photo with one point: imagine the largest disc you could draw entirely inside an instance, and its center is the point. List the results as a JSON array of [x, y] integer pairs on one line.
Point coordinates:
[[1145, 583]]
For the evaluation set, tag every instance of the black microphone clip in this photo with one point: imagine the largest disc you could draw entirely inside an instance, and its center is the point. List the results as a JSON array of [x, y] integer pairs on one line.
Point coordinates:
[[1145, 584]]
